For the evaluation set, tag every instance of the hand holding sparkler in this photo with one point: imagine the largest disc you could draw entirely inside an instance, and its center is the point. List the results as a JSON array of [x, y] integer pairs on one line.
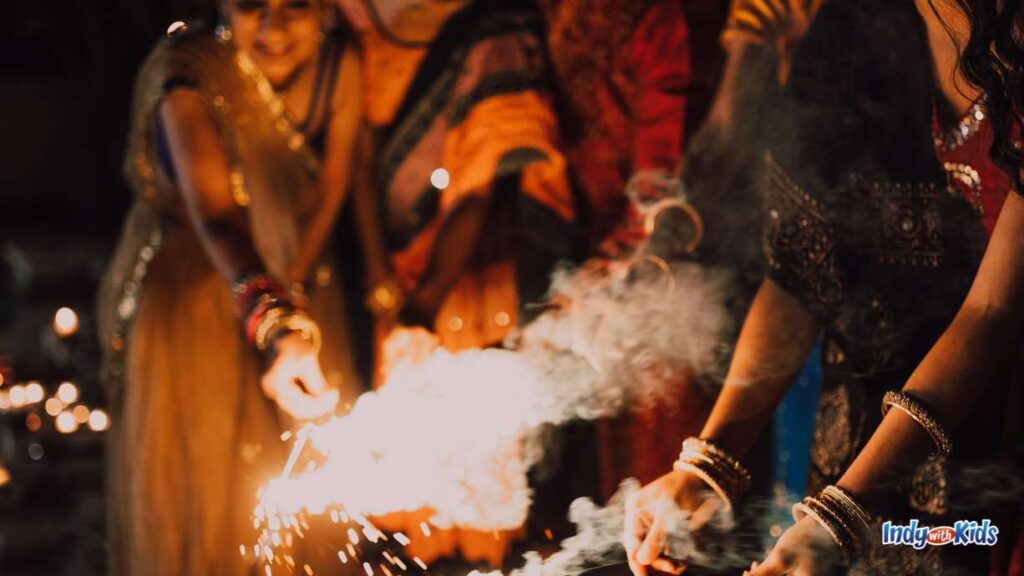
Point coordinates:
[[652, 517], [295, 380], [805, 549]]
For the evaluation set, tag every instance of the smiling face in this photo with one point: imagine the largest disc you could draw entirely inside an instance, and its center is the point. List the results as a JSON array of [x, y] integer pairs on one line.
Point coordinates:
[[281, 36]]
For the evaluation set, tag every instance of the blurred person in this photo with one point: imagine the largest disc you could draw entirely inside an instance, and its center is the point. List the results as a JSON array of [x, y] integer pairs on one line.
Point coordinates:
[[475, 202], [875, 222], [217, 318]]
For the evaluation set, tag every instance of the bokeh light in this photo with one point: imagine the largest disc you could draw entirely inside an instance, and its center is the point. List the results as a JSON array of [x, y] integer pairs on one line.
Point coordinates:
[[34, 393], [68, 393], [65, 322], [81, 414], [99, 421], [33, 422], [65, 423]]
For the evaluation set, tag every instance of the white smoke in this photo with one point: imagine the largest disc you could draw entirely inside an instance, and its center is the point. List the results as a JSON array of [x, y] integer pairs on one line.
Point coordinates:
[[458, 433]]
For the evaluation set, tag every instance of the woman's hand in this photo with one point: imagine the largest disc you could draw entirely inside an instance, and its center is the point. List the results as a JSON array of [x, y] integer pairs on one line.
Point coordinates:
[[295, 380], [651, 518], [805, 549]]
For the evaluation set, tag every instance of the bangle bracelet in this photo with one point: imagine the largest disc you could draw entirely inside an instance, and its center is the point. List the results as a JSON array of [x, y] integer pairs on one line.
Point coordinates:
[[715, 467], [708, 478], [297, 322], [813, 507], [854, 513], [922, 416], [651, 219]]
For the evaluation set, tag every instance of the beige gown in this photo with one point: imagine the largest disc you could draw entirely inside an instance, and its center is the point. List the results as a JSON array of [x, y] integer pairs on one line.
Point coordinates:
[[193, 436]]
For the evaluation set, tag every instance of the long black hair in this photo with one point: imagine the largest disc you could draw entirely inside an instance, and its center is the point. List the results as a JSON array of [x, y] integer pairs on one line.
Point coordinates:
[[992, 60]]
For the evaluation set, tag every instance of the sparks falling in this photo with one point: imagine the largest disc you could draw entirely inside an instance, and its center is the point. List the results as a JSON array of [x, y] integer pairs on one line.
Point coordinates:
[[457, 433]]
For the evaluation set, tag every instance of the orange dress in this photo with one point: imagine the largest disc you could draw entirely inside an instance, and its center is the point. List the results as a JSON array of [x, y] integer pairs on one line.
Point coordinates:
[[466, 114]]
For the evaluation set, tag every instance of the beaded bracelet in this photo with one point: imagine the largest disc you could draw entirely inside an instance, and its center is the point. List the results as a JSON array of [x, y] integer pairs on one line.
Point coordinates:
[[922, 416]]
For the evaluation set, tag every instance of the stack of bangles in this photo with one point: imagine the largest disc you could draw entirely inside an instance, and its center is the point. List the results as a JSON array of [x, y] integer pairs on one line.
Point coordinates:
[[720, 471], [268, 311], [922, 416], [842, 517]]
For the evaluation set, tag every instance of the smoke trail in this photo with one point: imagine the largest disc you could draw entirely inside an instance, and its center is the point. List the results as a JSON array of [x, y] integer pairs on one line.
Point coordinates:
[[457, 433]]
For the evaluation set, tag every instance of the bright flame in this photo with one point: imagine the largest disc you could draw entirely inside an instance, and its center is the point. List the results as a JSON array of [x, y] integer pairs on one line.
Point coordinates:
[[65, 322], [5, 476]]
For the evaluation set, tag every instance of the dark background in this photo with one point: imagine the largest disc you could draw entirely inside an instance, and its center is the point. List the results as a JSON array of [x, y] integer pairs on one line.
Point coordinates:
[[66, 72]]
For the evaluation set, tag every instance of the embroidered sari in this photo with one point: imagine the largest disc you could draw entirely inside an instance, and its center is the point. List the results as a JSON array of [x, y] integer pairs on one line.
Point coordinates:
[[193, 436]]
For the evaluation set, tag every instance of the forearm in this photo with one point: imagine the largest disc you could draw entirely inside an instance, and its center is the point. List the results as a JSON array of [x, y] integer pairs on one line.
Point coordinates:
[[369, 227], [970, 356], [776, 338], [454, 245]]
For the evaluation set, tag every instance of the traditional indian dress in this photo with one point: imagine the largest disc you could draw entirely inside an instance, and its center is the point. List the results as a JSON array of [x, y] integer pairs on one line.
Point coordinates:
[[193, 435], [876, 237], [623, 70], [468, 113]]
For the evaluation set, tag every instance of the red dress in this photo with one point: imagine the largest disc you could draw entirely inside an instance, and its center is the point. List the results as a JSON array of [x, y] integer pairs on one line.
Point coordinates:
[[624, 71]]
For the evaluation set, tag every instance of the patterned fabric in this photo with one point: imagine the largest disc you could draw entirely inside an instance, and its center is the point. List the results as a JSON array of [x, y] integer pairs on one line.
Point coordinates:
[[474, 110], [623, 69], [863, 227], [193, 434]]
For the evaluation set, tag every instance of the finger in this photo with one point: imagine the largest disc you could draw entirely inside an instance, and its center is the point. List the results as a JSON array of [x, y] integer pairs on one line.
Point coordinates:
[[632, 528], [669, 566], [313, 376], [635, 566], [704, 513], [300, 405], [654, 543], [773, 565]]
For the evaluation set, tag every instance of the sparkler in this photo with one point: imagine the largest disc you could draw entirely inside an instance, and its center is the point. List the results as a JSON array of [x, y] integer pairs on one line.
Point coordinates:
[[456, 433]]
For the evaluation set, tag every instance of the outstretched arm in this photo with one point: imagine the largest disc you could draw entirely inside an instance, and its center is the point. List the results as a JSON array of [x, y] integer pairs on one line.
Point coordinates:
[[969, 355]]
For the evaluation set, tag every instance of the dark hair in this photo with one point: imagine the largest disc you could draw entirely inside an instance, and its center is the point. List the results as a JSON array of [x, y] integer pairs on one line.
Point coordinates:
[[992, 60]]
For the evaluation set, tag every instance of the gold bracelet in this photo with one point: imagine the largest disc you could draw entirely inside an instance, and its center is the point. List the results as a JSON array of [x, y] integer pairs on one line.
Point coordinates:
[[716, 467], [651, 219], [701, 446], [708, 478], [922, 416], [302, 324], [270, 319], [812, 507], [850, 509]]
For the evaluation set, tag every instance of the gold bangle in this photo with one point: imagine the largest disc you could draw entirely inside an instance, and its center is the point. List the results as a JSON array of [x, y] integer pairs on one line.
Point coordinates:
[[708, 478], [304, 326], [651, 219], [701, 446], [922, 416], [813, 508], [853, 511], [266, 326]]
